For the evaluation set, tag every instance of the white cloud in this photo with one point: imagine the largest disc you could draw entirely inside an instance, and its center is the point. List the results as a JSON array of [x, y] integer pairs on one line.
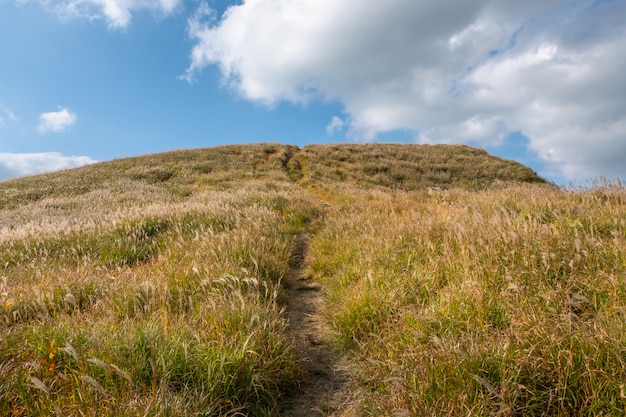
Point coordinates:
[[117, 13], [454, 71], [57, 121], [335, 124], [20, 164], [6, 115]]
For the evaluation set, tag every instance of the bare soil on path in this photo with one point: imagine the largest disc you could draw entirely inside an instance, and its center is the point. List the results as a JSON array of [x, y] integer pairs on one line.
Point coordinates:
[[324, 390]]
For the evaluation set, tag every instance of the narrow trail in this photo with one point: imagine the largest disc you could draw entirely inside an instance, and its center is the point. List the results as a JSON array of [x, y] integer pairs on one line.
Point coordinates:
[[324, 390]]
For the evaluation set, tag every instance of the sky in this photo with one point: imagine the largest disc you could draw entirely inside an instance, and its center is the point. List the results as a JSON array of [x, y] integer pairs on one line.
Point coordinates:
[[539, 81]]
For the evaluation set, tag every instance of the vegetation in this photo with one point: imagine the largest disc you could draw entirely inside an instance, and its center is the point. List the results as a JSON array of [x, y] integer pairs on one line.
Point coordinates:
[[122, 295], [499, 302], [410, 167], [456, 283]]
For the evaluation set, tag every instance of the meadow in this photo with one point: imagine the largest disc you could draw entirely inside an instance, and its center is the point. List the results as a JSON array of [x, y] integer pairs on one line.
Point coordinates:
[[131, 295], [508, 302], [454, 283]]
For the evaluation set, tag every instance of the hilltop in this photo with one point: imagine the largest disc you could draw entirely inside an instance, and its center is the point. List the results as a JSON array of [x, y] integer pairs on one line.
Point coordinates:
[[404, 167], [328, 280]]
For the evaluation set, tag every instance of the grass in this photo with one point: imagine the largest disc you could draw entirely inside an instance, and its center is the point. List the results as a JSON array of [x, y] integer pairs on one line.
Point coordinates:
[[457, 283], [122, 297], [187, 325], [507, 302], [409, 167]]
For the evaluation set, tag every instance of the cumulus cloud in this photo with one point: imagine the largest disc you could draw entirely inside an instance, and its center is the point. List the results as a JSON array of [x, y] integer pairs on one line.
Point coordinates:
[[455, 71], [56, 121], [117, 13], [20, 164]]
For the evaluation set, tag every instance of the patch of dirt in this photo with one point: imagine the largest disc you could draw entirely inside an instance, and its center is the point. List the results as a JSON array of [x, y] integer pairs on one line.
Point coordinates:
[[324, 390]]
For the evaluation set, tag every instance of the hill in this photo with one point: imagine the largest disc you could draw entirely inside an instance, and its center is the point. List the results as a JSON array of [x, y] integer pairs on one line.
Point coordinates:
[[329, 280], [407, 167]]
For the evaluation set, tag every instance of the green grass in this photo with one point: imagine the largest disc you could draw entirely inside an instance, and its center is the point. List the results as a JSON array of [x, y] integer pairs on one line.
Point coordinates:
[[409, 167], [507, 302], [179, 334], [457, 283], [167, 305]]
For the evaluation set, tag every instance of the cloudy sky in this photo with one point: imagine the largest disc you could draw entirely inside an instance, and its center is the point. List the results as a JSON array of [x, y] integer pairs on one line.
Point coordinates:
[[538, 81]]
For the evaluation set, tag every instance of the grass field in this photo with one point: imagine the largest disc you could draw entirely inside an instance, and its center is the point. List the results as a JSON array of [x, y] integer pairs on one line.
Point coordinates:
[[499, 302], [123, 295], [456, 284]]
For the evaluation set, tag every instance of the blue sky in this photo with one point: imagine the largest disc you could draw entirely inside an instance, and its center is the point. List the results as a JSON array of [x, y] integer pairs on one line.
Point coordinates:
[[540, 82]]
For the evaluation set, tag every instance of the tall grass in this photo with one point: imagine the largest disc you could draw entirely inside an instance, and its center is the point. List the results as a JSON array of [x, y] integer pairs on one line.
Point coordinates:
[[161, 307], [407, 167], [151, 286], [507, 302]]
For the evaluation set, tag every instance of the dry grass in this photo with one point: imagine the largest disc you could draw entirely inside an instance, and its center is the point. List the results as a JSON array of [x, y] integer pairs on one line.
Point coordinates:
[[152, 285], [122, 296], [507, 302], [408, 167]]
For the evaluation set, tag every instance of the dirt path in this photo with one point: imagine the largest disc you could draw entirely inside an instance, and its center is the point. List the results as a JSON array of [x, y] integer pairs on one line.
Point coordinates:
[[324, 391]]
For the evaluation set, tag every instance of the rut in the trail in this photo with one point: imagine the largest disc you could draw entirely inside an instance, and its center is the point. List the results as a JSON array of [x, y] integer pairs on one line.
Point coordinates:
[[324, 390]]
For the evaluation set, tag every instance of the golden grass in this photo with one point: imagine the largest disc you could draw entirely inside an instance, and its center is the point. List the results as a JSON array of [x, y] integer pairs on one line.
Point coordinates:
[[192, 326], [408, 167], [124, 298], [459, 284], [507, 302]]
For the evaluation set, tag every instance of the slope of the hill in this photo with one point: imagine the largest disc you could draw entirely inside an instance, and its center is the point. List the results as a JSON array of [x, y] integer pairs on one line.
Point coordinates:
[[332, 280], [507, 302], [409, 167], [150, 285], [405, 167], [179, 172]]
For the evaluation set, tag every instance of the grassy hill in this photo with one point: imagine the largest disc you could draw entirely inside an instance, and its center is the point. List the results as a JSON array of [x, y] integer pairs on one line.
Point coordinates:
[[454, 282]]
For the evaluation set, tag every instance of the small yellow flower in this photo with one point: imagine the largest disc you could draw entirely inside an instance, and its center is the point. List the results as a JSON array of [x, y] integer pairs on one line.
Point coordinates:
[[8, 304]]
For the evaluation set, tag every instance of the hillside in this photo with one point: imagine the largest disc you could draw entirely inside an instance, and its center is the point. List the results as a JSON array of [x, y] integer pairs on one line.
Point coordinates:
[[405, 167], [343, 280]]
